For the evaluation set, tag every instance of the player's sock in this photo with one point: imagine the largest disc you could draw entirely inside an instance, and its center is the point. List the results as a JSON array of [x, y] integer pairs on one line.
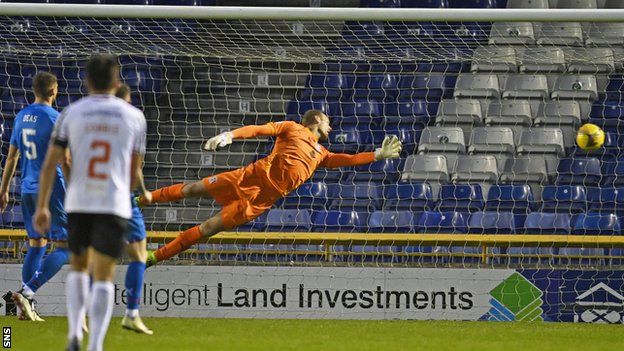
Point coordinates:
[[100, 312], [182, 242], [77, 288], [168, 193], [32, 262], [49, 267], [134, 285]]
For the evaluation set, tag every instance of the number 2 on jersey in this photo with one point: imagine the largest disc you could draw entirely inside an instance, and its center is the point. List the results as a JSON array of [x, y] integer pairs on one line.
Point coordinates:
[[95, 160]]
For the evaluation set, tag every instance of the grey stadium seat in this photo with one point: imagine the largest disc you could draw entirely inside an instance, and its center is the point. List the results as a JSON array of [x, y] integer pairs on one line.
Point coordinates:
[[590, 60], [527, 4], [460, 111], [442, 139], [475, 168], [541, 60], [420, 168], [491, 140], [577, 4], [541, 141], [525, 169], [526, 86], [576, 87], [512, 33], [605, 33], [509, 112], [560, 33], [477, 86], [559, 112], [494, 59]]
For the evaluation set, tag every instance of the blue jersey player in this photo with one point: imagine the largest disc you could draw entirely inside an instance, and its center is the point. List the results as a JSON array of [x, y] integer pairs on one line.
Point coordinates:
[[30, 138], [137, 252]]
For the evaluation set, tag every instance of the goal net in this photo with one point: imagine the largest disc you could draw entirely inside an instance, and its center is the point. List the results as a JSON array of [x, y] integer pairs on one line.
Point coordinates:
[[490, 192]]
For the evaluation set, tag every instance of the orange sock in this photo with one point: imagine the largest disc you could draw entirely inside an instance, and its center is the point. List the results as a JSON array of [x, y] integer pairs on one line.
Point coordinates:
[[168, 193], [182, 242]]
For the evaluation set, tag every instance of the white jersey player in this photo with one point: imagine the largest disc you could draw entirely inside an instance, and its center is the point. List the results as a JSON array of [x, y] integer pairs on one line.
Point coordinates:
[[106, 137]]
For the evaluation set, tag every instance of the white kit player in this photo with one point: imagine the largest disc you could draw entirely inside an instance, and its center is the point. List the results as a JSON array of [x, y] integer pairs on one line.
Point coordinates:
[[106, 139]]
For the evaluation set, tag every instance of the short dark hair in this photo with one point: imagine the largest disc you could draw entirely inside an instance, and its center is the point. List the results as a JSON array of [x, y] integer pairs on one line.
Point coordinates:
[[42, 84], [102, 71], [309, 116], [123, 91]]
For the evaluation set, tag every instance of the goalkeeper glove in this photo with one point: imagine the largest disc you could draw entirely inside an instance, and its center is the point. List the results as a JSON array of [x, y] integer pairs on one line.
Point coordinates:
[[390, 148], [221, 140]]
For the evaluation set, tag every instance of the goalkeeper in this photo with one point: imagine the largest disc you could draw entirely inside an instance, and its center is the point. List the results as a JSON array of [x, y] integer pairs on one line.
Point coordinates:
[[247, 192]]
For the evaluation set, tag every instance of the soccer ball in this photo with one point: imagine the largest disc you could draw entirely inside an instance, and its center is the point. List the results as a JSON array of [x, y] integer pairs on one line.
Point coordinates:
[[590, 137]]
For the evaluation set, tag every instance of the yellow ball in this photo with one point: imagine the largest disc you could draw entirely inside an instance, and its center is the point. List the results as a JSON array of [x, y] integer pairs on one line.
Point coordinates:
[[590, 137]]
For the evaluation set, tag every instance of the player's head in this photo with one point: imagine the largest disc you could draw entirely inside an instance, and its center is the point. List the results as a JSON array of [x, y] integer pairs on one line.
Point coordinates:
[[317, 120], [45, 86], [123, 92], [102, 74]]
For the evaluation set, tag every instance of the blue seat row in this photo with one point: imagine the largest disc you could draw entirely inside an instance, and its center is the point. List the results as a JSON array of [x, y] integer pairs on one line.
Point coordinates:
[[435, 3]]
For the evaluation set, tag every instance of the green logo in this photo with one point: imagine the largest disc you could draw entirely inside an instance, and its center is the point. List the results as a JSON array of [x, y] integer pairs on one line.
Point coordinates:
[[515, 299]]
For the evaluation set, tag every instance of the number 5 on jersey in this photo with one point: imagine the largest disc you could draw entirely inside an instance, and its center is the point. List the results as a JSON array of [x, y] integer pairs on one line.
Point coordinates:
[[103, 149]]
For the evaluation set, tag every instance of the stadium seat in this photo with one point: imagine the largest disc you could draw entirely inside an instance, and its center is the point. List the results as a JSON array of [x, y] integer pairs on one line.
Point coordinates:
[[576, 4], [582, 87], [595, 223], [425, 3], [582, 171], [478, 4], [477, 86], [491, 140], [529, 169], [512, 33], [338, 221], [298, 108], [409, 197], [492, 222], [408, 135], [428, 86], [560, 34], [460, 197], [515, 198], [329, 176], [461, 111], [590, 60], [475, 168], [355, 197], [509, 112], [130, 2], [541, 141], [422, 168], [442, 139], [288, 220], [559, 113], [494, 59], [433, 222], [605, 33], [13, 216], [526, 86], [391, 222], [377, 87], [328, 85], [380, 3], [346, 139], [527, 4], [309, 196], [386, 171], [257, 224], [609, 199], [185, 2], [616, 178], [541, 60], [609, 150], [564, 198], [547, 223], [362, 31], [359, 110], [607, 113], [615, 88], [410, 111]]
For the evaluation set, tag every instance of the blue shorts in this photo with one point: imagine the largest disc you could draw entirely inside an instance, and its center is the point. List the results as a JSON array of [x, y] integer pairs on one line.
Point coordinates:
[[58, 227], [136, 226]]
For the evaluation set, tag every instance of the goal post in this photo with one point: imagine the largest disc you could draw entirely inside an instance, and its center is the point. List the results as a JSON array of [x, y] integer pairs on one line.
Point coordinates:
[[490, 212]]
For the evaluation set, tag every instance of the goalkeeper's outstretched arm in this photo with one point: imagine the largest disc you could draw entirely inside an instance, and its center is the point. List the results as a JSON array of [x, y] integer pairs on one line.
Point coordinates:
[[225, 138], [390, 148]]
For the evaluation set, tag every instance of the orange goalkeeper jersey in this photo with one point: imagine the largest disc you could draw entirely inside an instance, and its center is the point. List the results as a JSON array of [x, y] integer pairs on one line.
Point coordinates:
[[296, 155]]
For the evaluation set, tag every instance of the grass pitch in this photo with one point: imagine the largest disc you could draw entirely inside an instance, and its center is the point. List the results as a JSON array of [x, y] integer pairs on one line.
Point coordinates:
[[180, 334]]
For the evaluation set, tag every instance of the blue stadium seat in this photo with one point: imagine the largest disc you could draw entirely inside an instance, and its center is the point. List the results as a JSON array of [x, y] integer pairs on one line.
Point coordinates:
[[547, 223], [346, 139], [478, 4], [13, 217], [298, 108], [11, 104], [380, 3], [410, 111], [580, 256], [309, 196], [63, 100], [391, 222], [79, 1], [339, 221], [607, 113], [185, 2], [615, 88], [610, 149], [329, 176], [427, 86], [409, 196], [328, 85], [356, 197], [516, 198], [608, 199], [288, 220], [461, 197], [376, 86], [258, 224], [492, 222], [362, 109], [130, 2], [614, 172], [362, 31], [582, 171], [595, 223], [425, 3], [142, 79], [386, 171], [407, 134], [442, 222], [530, 255], [564, 198]]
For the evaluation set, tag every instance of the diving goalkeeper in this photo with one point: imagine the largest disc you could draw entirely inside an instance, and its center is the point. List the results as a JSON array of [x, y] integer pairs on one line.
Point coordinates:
[[247, 192]]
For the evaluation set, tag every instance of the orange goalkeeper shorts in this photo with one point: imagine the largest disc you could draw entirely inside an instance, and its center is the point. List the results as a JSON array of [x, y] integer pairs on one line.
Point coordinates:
[[243, 195]]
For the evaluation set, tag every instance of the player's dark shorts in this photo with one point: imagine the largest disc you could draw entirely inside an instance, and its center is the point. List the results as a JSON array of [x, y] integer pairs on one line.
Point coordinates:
[[136, 225], [58, 227], [105, 233]]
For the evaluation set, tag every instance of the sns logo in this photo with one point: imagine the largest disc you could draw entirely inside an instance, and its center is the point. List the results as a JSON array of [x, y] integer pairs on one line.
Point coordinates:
[[6, 337]]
